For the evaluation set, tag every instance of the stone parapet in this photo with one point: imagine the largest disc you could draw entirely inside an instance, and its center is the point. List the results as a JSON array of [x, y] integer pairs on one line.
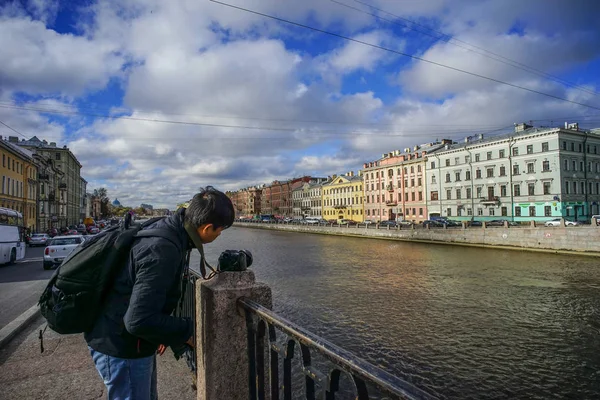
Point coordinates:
[[582, 239]]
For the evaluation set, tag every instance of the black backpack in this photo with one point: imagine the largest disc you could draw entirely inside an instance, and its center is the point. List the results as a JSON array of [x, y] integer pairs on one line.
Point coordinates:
[[75, 294]]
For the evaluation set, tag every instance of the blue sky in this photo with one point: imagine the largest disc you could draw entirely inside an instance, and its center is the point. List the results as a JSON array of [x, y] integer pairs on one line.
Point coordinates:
[[159, 98]]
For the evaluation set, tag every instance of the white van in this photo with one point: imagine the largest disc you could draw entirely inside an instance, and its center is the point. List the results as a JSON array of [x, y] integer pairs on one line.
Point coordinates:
[[311, 220]]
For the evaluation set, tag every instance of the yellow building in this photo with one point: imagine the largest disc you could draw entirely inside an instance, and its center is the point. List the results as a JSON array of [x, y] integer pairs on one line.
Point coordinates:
[[343, 198], [19, 182]]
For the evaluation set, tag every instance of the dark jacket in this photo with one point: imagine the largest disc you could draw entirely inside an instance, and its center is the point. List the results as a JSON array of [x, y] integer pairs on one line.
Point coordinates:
[[137, 315]]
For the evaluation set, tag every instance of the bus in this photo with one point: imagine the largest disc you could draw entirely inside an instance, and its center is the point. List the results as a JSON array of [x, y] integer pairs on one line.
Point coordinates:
[[12, 236]]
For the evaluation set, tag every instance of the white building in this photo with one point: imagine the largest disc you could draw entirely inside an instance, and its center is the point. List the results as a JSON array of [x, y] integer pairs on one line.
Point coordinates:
[[531, 174], [307, 199]]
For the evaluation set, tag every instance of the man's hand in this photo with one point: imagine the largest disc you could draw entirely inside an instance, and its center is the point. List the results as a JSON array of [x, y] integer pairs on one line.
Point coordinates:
[[161, 349], [190, 341]]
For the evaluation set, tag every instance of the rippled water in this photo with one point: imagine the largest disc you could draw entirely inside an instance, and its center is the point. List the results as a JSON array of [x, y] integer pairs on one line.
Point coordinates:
[[459, 322]]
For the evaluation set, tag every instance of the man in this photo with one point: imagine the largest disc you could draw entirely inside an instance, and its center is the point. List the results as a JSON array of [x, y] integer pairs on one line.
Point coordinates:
[[136, 320]]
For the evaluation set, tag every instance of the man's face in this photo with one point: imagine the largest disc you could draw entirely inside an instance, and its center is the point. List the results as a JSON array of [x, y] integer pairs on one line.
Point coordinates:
[[208, 233]]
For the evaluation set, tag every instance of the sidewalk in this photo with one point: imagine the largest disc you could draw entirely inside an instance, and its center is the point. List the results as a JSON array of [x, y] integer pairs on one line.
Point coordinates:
[[65, 370]]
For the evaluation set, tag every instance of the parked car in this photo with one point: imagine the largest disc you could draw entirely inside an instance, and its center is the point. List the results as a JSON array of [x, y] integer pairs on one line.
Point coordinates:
[[59, 248], [433, 223], [346, 221], [39, 239], [81, 229], [556, 222], [388, 223], [92, 230], [52, 232]]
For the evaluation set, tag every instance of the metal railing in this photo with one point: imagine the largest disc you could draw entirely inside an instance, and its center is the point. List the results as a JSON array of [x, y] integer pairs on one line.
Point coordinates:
[[261, 321]]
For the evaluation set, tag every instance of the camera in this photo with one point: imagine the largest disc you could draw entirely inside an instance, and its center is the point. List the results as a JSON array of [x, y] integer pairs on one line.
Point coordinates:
[[235, 260]]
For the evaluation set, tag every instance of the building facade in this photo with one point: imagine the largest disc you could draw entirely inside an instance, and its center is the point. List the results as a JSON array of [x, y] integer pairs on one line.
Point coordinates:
[[343, 198], [69, 188], [531, 174], [19, 172], [308, 199], [82, 199], [395, 185]]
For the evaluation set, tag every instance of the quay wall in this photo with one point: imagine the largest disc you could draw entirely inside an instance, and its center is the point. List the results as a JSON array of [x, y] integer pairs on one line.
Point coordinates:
[[584, 240]]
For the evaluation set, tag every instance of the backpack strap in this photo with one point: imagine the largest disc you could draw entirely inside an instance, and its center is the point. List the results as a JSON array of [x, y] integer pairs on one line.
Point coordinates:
[[162, 233], [204, 264]]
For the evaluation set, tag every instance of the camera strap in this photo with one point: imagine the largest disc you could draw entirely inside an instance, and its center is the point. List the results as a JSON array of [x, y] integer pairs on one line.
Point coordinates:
[[204, 264]]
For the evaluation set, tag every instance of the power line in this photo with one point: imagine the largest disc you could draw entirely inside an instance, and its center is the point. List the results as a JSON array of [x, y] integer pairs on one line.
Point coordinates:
[[82, 109], [263, 128], [12, 129], [404, 54], [451, 40]]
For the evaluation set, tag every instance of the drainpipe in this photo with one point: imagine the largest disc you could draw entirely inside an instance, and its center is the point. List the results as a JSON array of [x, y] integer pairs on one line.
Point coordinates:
[[511, 142], [585, 185], [472, 184]]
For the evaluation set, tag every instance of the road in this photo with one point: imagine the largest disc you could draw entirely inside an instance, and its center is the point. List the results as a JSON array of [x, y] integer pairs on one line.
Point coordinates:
[[21, 284]]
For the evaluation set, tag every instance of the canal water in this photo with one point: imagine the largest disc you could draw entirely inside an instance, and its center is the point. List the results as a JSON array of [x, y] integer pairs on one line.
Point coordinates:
[[458, 322]]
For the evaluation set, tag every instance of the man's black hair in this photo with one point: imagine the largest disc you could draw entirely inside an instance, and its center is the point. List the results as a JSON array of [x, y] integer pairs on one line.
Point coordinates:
[[210, 206]]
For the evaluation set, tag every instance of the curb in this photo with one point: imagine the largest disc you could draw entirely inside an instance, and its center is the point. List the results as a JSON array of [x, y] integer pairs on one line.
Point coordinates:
[[18, 324]]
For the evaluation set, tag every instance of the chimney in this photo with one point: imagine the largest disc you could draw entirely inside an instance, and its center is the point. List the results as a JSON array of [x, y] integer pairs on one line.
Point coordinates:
[[13, 139], [351, 173], [43, 141]]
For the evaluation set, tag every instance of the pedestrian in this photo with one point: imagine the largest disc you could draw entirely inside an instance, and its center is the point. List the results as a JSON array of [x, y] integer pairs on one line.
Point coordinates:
[[136, 321]]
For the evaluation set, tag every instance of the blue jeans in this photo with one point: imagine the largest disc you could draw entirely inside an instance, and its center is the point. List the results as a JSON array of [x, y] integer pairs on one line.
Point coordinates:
[[127, 378]]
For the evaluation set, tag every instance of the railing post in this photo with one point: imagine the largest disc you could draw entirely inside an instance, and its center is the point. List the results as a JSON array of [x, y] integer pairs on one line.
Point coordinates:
[[222, 335]]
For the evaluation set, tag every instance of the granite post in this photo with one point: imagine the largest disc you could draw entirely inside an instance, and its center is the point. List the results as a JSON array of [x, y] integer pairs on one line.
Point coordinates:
[[222, 354]]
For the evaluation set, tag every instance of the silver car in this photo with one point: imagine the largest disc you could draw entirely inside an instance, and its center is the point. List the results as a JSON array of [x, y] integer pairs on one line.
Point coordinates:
[[39, 239]]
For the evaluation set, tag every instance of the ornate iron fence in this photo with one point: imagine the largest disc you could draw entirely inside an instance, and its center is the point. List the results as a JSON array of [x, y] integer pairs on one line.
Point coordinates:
[[261, 322]]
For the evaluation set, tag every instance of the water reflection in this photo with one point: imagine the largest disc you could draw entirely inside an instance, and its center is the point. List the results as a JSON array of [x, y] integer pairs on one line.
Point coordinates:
[[460, 322]]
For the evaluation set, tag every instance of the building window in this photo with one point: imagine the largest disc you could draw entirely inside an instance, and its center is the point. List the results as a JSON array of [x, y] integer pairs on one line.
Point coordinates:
[[517, 211], [574, 185], [433, 179], [504, 211], [529, 149], [420, 196], [489, 155], [564, 145], [546, 187], [478, 174], [532, 211], [447, 178], [412, 196], [433, 165], [419, 182], [566, 165], [449, 194], [478, 192], [492, 211], [467, 159], [503, 171], [468, 176], [580, 148], [57, 156], [502, 154], [456, 160], [412, 182], [574, 165], [572, 146], [458, 212], [449, 212], [447, 162], [457, 176], [545, 166], [566, 187], [582, 187], [515, 151], [420, 212], [469, 211], [477, 157], [515, 169], [458, 194], [531, 168], [418, 168], [531, 189], [4, 160], [412, 169], [468, 193], [503, 191], [480, 211], [547, 211], [517, 190], [581, 167], [490, 172], [544, 147]]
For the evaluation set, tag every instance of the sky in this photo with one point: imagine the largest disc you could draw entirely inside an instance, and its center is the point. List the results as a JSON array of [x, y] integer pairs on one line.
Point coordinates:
[[159, 98]]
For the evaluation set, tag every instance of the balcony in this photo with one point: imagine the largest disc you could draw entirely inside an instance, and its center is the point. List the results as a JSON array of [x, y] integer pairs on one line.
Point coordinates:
[[62, 185], [391, 203], [490, 200], [339, 207], [43, 177]]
